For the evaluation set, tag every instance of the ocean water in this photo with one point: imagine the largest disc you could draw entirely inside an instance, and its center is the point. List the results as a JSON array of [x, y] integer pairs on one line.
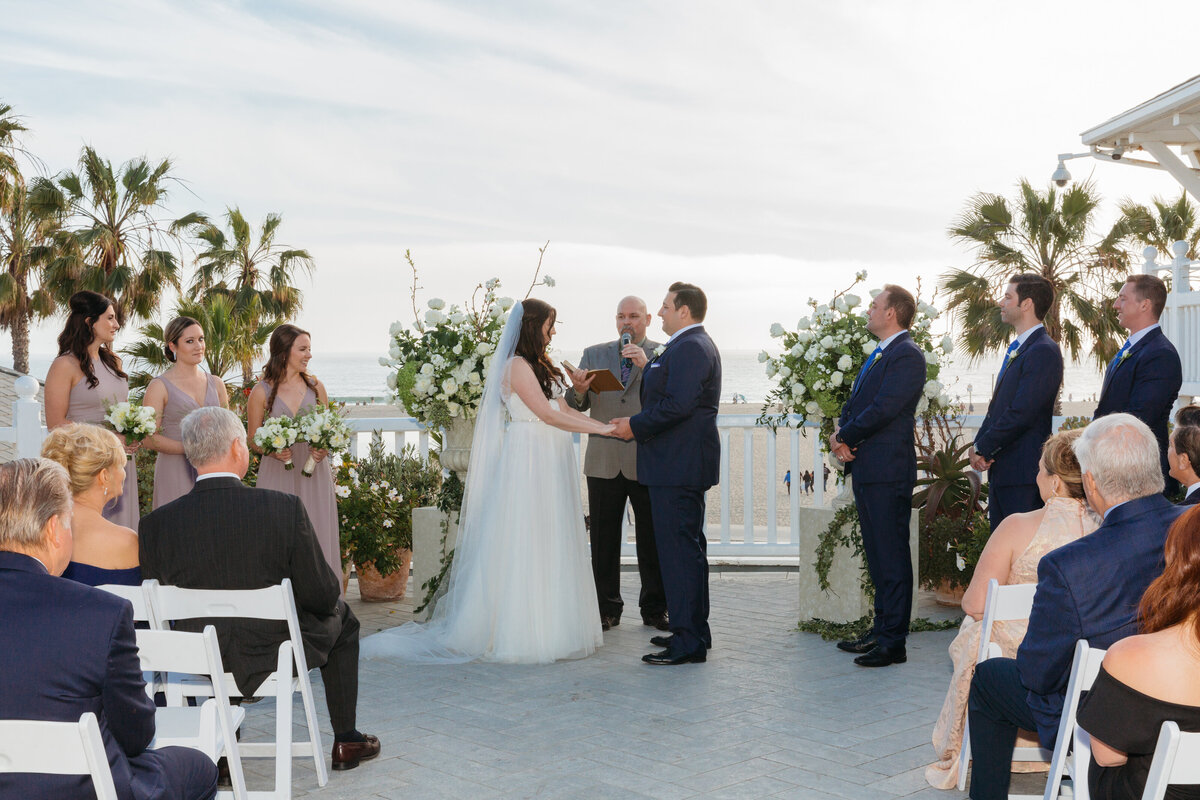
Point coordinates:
[[360, 375]]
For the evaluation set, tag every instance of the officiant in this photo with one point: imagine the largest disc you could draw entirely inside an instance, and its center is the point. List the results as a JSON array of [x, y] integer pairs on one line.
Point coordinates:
[[610, 466]]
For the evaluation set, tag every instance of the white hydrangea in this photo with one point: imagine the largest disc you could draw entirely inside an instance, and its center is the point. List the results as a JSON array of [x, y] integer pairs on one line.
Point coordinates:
[[776, 330], [818, 385], [437, 303], [844, 363]]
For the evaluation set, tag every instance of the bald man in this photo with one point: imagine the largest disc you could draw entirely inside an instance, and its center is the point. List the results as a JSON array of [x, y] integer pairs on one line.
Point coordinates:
[[611, 469]]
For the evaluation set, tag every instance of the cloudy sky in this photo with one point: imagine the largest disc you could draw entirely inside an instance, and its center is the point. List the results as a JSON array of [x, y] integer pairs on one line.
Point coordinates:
[[764, 150]]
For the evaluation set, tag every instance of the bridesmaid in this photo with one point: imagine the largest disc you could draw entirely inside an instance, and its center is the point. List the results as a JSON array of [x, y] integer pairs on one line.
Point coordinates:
[[286, 389], [180, 390], [86, 376]]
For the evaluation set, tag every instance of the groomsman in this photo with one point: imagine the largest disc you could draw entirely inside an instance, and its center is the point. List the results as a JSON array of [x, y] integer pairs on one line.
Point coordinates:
[[611, 469], [874, 438], [1009, 443], [1143, 379]]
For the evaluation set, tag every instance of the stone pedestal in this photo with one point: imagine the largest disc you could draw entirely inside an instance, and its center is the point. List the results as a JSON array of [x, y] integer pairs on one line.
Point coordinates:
[[428, 550], [844, 602]]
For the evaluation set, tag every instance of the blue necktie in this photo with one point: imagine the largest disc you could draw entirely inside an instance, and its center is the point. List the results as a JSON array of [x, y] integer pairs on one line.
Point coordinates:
[[865, 367], [1012, 348], [1117, 358]]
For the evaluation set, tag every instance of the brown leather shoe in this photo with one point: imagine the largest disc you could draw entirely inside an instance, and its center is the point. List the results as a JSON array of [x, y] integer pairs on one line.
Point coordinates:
[[346, 755], [657, 621]]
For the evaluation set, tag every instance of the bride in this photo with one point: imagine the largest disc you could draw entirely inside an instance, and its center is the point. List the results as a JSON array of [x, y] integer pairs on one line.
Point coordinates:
[[520, 587]]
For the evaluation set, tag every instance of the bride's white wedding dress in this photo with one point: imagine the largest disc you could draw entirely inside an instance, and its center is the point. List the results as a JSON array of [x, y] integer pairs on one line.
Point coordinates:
[[520, 587]]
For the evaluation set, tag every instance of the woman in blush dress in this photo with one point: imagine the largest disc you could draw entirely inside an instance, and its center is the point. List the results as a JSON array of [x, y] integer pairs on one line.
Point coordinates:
[[520, 588], [104, 552], [183, 388], [1011, 556], [286, 389], [85, 378]]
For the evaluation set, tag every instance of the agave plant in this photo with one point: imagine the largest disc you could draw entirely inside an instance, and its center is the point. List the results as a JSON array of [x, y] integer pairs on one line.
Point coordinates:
[[949, 487]]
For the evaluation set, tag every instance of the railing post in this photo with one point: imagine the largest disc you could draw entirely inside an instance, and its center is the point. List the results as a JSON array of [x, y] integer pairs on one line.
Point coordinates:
[[748, 485], [818, 471], [1150, 266], [28, 432], [772, 477], [723, 433], [794, 497], [1180, 269]]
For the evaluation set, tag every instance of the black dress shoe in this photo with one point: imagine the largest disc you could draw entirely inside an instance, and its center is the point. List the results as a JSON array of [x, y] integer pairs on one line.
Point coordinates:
[[883, 656], [863, 645], [657, 621], [665, 659], [609, 622], [662, 641], [224, 779], [347, 755]]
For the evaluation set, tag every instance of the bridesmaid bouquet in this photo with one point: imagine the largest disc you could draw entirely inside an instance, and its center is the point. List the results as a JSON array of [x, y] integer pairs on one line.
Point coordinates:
[[276, 434], [324, 428], [132, 420]]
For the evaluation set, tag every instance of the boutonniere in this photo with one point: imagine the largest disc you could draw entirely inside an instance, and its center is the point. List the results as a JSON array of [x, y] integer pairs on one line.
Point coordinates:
[[658, 351], [1012, 356], [1124, 356]]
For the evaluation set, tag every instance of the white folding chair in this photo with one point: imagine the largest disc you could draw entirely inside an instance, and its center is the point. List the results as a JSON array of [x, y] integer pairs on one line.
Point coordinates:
[[138, 597], [172, 603], [1074, 763], [211, 728], [57, 748], [1176, 761], [1003, 603]]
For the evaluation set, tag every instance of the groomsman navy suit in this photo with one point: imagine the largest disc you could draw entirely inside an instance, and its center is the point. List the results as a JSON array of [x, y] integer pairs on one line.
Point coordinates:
[[1088, 589], [874, 437], [1144, 378], [679, 459], [1019, 417], [610, 466]]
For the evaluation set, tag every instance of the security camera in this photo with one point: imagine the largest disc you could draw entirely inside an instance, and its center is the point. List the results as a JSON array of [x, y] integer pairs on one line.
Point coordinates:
[[1117, 153], [1061, 177]]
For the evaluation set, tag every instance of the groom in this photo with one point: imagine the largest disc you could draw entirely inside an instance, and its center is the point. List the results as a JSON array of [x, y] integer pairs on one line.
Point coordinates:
[[678, 459]]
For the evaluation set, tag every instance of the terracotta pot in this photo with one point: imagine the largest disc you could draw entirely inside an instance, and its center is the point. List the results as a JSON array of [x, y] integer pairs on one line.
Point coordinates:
[[346, 576], [374, 588], [946, 595]]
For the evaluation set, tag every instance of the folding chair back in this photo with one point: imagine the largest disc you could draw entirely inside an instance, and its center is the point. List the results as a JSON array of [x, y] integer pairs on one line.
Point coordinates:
[[172, 603], [1176, 761], [1084, 670], [138, 597], [57, 748], [1003, 603]]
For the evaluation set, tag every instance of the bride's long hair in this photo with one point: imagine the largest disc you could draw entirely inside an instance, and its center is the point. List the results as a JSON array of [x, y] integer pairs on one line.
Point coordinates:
[[531, 344]]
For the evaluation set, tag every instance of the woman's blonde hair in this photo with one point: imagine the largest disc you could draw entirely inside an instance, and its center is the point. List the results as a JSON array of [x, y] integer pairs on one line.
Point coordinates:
[[85, 450], [1058, 457]]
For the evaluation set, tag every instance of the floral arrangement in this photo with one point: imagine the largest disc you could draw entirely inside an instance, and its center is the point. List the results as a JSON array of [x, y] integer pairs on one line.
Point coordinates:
[[323, 428], [132, 420], [441, 362], [821, 358], [275, 435]]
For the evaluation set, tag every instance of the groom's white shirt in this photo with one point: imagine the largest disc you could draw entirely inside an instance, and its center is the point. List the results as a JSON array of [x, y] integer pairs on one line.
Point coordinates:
[[679, 332]]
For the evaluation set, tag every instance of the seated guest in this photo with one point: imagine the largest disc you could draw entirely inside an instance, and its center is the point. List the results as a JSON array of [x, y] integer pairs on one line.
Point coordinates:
[[1151, 678], [67, 649], [1088, 589], [1183, 454], [104, 552], [1187, 415], [226, 535], [1010, 556]]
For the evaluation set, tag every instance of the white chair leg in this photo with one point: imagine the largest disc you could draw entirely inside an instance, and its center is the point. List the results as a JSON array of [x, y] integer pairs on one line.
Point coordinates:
[[964, 756]]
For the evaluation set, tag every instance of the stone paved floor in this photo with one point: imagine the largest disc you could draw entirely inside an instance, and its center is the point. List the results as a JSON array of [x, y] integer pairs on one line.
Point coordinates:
[[774, 713]]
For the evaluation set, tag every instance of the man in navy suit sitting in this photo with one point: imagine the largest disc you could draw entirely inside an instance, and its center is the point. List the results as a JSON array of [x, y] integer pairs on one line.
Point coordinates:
[[1144, 377], [874, 438], [1088, 589], [1018, 419], [66, 649]]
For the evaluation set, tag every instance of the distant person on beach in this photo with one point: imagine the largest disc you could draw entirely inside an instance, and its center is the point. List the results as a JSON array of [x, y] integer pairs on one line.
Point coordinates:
[[1145, 375], [874, 438], [610, 467], [787, 481], [1009, 443], [808, 481]]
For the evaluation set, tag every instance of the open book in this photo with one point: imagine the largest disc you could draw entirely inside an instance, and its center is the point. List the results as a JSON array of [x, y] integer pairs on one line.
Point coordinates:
[[602, 379]]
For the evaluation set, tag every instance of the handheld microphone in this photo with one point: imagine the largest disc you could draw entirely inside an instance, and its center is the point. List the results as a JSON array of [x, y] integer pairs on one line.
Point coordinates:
[[626, 338]]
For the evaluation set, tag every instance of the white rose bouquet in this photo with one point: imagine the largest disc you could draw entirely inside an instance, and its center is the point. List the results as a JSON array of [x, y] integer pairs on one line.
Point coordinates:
[[132, 420], [275, 435], [323, 428], [822, 357]]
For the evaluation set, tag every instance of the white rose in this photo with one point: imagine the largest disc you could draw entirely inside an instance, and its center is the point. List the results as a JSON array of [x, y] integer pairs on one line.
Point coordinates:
[[818, 385], [804, 337], [505, 303], [776, 330], [933, 389], [803, 324], [396, 327], [844, 363], [874, 293], [457, 349], [449, 386], [427, 369], [932, 313], [931, 357], [922, 405], [394, 350], [837, 378], [437, 303], [853, 300], [453, 408], [785, 372], [484, 348], [947, 344], [813, 353], [771, 369], [868, 347], [384, 361], [840, 305], [822, 310], [797, 349], [922, 307], [434, 317], [473, 379], [391, 380], [494, 312], [764, 357], [812, 407], [457, 318], [827, 342], [492, 283], [798, 389]]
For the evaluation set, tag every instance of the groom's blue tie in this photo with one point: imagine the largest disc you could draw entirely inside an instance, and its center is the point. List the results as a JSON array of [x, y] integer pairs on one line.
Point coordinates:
[[1012, 348], [870, 360]]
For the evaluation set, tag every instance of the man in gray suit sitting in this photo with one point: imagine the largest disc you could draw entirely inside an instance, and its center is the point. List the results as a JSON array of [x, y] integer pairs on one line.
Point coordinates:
[[611, 468]]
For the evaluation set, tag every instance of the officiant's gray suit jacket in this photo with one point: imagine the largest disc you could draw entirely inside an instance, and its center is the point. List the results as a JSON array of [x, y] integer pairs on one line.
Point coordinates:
[[608, 458]]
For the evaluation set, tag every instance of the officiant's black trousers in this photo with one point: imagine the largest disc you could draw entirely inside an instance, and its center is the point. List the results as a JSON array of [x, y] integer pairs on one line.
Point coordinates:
[[606, 502]]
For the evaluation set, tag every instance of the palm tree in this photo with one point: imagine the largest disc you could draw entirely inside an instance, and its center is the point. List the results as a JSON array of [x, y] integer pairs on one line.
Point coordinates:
[[257, 278], [113, 241], [1161, 227], [1046, 233]]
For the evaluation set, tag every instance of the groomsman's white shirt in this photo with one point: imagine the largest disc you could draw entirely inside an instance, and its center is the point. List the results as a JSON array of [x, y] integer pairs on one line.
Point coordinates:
[[1134, 338], [1024, 337]]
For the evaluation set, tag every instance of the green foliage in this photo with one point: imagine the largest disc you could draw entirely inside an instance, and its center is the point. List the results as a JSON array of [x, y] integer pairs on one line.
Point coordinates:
[[948, 486], [145, 460], [1159, 227], [843, 532], [1074, 423], [449, 502], [949, 548], [860, 627]]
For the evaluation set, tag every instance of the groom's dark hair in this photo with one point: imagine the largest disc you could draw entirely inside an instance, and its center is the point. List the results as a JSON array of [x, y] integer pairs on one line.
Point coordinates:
[[691, 296]]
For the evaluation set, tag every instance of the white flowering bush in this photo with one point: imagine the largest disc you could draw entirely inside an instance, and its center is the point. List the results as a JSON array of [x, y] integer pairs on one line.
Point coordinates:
[[132, 420], [323, 427], [277, 434], [823, 355]]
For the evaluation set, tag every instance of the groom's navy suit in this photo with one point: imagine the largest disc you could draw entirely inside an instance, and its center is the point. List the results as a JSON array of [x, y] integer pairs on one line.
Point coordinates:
[[678, 458], [1146, 384], [878, 424], [1018, 423]]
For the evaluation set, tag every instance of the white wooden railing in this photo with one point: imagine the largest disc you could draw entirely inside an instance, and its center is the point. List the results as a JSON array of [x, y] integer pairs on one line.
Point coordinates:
[[1181, 319]]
